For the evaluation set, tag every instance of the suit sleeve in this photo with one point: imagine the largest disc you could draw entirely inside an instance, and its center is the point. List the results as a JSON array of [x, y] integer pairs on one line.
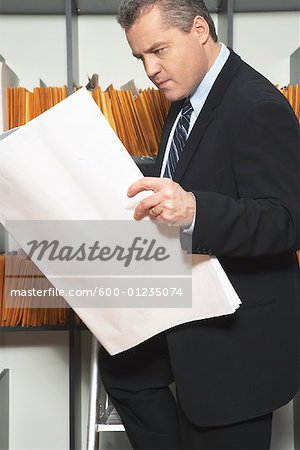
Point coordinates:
[[265, 218]]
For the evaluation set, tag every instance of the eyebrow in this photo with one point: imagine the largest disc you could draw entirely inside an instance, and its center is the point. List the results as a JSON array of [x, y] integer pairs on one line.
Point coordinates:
[[155, 46]]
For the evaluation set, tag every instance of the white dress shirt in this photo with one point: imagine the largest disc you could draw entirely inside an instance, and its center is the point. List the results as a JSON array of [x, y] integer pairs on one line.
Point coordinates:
[[199, 97], [197, 100]]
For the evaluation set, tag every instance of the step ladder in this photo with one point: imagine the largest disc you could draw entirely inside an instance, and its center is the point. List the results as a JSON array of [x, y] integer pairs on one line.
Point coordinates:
[[102, 416]]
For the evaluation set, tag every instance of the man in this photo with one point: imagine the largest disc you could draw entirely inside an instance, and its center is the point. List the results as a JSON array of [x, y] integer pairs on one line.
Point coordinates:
[[234, 185]]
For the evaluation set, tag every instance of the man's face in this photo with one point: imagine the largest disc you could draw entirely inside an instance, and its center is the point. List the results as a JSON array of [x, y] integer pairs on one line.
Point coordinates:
[[174, 61]]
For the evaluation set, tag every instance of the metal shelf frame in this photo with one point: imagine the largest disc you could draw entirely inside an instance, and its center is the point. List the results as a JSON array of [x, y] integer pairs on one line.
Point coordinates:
[[110, 7], [102, 416]]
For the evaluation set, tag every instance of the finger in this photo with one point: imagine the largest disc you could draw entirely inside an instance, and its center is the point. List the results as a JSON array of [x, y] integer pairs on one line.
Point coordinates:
[[142, 211], [140, 214], [147, 184], [150, 202]]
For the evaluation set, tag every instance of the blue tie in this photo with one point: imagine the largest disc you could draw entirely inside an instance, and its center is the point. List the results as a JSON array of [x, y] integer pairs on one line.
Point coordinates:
[[179, 139]]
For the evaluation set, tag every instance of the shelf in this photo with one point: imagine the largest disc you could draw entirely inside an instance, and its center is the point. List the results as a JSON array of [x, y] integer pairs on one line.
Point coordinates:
[[107, 7], [266, 5], [112, 6], [84, 7], [32, 7], [214, 6]]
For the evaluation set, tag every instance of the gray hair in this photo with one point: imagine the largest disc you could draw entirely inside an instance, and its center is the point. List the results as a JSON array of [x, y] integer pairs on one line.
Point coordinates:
[[176, 13]]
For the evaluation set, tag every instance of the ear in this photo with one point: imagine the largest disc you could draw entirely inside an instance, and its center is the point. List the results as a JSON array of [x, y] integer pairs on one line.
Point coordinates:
[[200, 26]]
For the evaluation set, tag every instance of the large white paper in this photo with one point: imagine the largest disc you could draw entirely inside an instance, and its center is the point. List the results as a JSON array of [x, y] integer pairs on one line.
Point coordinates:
[[68, 164]]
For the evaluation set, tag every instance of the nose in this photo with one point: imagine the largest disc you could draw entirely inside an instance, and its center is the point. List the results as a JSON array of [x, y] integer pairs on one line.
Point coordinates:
[[151, 65]]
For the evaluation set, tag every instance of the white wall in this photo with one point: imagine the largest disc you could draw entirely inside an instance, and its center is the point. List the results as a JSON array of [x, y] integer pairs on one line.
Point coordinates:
[[35, 47], [103, 49], [266, 41], [39, 389]]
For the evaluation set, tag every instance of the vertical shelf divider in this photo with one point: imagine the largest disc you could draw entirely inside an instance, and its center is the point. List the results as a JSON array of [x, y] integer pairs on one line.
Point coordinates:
[[225, 22], [72, 44], [74, 383], [71, 15]]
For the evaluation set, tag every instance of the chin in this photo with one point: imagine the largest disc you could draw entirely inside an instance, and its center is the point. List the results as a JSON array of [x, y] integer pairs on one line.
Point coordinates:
[[173, 96]]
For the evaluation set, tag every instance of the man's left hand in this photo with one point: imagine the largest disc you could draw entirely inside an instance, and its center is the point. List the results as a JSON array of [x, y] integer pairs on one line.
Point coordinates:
[[169, 204]]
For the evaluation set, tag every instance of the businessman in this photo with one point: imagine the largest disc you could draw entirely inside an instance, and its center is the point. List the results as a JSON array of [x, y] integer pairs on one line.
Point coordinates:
[[228, 173]]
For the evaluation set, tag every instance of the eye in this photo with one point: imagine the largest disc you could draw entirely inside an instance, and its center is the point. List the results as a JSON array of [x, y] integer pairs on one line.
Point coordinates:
[[160, 51]]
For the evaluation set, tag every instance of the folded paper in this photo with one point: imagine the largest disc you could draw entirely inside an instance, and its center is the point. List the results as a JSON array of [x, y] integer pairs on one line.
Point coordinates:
[[68, 164]]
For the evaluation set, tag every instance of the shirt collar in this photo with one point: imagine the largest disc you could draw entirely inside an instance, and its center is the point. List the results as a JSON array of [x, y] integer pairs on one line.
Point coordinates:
[[201, 93]]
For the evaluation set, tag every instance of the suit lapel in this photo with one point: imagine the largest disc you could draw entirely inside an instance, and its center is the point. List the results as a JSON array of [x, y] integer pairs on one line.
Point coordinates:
[[192, 143], [205, 117]]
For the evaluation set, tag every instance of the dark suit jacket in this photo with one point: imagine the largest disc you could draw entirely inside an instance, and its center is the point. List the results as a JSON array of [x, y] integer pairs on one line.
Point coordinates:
[[242, 162]]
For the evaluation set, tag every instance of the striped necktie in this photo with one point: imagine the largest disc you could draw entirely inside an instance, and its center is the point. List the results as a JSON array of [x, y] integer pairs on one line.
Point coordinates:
[[179, 139]]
